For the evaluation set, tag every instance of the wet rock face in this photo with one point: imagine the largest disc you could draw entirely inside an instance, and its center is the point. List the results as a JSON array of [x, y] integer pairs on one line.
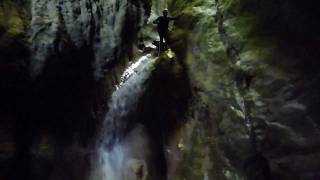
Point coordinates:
[[54, 58], [78, 48], [108, 27], [253, 72]]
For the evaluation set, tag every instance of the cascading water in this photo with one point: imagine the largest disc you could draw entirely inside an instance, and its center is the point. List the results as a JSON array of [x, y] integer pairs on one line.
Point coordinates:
[[158, 6], [115, 152]]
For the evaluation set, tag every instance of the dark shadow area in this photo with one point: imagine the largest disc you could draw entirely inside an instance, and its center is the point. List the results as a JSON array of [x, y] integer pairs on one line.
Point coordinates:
[[14, 94], [294, 26], [56, 106], [163, 108]]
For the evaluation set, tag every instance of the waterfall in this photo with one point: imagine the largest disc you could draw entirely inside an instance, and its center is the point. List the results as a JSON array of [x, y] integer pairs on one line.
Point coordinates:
[[158, 6], [114, 154]]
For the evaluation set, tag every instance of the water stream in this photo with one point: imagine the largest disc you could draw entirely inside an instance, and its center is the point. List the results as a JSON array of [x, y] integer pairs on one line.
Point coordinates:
[[123, 154], [116, 158]]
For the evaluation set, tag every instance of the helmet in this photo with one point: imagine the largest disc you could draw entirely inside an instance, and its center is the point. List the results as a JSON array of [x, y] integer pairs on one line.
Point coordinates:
[[165, 11]]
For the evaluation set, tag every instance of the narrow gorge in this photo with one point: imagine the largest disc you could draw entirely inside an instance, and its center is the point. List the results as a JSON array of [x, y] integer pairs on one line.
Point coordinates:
[[85, 94]]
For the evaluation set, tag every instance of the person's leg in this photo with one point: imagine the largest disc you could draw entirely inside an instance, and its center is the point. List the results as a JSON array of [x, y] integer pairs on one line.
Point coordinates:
[[161, 43], [166, 37], [160, 35], [161, 38]]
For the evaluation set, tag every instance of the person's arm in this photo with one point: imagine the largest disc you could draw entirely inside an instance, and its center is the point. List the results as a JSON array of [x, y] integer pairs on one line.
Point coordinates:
[[156, 21], [175, 18]]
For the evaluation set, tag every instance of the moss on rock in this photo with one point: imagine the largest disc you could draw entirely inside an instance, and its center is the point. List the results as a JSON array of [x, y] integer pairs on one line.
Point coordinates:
[[14, 18], [245, 62]]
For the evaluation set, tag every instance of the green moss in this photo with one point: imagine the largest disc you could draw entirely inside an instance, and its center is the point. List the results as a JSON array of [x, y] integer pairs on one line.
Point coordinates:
[[14, 18], [15, 24]]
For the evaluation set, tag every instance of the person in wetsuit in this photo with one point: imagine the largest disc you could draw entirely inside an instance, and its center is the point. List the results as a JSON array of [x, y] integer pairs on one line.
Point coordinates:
[[163, 28]]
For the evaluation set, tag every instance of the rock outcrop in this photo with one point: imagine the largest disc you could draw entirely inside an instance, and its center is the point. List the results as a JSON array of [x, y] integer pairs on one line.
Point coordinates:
[[253, 72], [61, 60], [109, 28]]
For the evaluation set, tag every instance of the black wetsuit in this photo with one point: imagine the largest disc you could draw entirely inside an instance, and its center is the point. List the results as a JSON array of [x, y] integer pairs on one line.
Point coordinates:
[[163, 28]]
